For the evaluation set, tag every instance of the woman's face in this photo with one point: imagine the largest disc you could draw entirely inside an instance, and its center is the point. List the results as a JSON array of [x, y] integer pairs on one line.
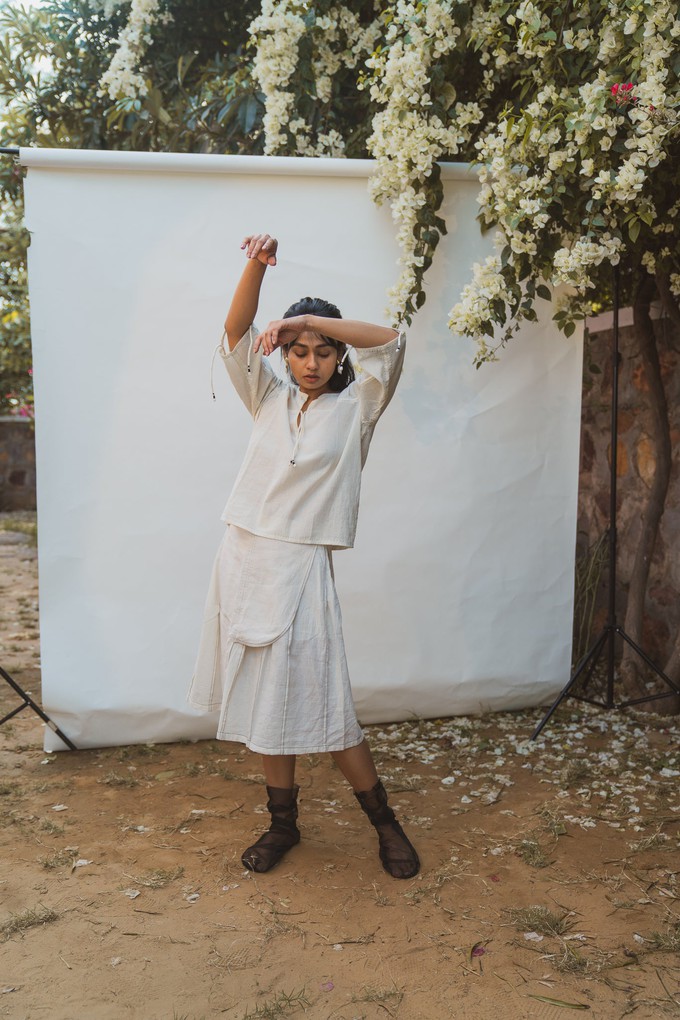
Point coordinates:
[[312, 361]]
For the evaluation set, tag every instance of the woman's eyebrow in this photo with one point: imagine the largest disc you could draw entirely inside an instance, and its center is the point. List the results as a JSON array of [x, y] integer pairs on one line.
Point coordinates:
[[304, 346]]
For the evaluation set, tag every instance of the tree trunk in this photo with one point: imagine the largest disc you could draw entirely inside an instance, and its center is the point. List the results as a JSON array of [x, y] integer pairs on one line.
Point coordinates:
[[672, 667], [660, 437]]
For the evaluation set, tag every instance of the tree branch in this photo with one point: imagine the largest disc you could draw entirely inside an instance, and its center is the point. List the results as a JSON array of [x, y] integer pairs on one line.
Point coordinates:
[[668, 302]]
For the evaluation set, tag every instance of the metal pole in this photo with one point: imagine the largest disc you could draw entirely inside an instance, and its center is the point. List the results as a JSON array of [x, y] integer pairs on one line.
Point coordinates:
[[611, 618]]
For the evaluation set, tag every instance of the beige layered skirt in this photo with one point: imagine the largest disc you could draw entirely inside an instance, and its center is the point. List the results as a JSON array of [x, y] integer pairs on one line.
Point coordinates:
[[271, 655]]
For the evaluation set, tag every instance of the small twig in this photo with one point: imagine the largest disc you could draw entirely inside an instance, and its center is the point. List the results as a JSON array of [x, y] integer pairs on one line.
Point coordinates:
[[674, 1001]]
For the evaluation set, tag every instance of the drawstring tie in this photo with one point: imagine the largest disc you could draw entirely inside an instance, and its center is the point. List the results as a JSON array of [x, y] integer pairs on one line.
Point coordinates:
[[220, 347]]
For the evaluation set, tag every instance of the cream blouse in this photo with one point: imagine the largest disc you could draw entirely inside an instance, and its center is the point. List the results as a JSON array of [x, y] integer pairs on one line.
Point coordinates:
[[301, 483]]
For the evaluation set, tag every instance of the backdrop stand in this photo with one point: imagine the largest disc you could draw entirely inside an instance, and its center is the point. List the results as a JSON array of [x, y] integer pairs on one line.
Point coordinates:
[[612, 629], [28, 702]]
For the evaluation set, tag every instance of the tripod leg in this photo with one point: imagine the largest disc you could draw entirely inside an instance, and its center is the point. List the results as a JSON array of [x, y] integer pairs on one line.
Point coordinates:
[[590, 658], [15, 711], [674, 689], [30, 703]]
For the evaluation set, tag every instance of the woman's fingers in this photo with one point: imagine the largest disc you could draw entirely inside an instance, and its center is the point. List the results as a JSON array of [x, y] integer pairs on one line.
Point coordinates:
[[267, 341], [262, 247]]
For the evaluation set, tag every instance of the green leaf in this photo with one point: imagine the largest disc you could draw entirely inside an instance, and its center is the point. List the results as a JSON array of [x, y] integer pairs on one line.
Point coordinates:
[[569, 328], [634, 229], [543, 292]]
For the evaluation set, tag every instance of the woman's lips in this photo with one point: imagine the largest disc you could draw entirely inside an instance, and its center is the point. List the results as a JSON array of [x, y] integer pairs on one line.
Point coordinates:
[[311, 378]]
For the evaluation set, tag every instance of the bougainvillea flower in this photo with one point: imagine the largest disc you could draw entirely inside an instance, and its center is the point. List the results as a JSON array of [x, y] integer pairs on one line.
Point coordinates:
[[623, 93]]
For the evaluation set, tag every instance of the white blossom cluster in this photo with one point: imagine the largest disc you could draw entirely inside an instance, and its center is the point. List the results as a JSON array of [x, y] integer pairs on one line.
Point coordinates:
[[338, 39], [406, 139], [564, 144], [123, 77], [472, 315], [277, 33], [571, 265], [566, 178]]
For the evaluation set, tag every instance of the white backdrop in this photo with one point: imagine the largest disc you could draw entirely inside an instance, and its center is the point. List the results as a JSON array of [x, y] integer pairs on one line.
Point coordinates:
[[458, 595]]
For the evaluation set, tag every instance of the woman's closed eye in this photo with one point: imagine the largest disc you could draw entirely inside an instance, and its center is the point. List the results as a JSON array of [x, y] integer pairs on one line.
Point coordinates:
[[322, 356]]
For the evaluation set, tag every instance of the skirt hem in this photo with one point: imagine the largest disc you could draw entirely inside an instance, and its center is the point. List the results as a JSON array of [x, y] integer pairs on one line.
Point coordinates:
[[307, 749]]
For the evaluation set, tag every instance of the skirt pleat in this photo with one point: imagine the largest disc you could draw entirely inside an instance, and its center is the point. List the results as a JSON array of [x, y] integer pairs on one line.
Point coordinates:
[[271, 655]]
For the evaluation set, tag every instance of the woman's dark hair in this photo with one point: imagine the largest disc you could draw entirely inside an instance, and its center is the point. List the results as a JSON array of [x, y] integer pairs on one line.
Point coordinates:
[[317, 306]]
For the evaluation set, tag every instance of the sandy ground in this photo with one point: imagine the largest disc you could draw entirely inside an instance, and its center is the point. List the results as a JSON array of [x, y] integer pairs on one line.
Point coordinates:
[[549, 879]]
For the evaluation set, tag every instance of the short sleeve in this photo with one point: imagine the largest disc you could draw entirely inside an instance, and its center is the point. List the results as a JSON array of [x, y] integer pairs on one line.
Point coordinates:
[[377, 374], [251, 373]]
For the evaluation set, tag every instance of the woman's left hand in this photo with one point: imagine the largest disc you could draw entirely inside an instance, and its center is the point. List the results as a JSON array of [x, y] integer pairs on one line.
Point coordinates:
[[280, 332]]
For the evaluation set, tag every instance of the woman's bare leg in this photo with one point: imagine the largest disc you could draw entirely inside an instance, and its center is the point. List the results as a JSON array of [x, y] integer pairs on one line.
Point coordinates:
[[279, 770], [357, 766]]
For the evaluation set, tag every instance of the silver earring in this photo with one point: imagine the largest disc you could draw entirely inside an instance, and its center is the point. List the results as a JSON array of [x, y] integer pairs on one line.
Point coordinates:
[[340, 362]]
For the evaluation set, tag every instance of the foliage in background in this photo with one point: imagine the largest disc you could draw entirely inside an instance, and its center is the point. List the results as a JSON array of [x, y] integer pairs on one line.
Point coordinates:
[[577, 178], [200, 97]]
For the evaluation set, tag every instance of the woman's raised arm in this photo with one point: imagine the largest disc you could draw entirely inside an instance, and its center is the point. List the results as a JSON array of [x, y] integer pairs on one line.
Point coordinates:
[[348, 331], [260, 251]]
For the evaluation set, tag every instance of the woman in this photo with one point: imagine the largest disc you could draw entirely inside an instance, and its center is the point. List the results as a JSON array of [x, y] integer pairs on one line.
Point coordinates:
[[271, 655]]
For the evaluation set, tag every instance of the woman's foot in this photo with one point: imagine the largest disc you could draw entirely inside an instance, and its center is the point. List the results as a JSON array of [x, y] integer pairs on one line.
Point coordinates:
[[282, 834], [397, 853]]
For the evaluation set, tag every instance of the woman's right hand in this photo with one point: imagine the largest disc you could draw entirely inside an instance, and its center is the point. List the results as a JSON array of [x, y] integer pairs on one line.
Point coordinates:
[[261, 247]]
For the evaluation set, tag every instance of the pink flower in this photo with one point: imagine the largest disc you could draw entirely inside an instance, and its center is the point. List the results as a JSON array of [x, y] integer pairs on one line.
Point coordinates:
[[623, 93]]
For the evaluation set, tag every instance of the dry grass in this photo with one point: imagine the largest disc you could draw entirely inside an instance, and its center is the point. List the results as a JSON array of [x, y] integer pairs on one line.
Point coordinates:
[[542, 920], [532, 853], [571, 961], [655, 841], [52, 828], [27, 919], [157, 879], [552, 820], [113, 779], [59, 859], [381, 996], [283, 1004], [138, 751], [667, 941]]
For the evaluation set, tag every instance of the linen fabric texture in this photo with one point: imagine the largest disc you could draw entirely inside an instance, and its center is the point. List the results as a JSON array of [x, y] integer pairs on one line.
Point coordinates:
[[271, 654], [304, 485]]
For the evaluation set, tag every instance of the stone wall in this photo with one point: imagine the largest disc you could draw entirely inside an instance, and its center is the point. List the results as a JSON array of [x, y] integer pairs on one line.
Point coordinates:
[[635, 470], [17, 464]]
